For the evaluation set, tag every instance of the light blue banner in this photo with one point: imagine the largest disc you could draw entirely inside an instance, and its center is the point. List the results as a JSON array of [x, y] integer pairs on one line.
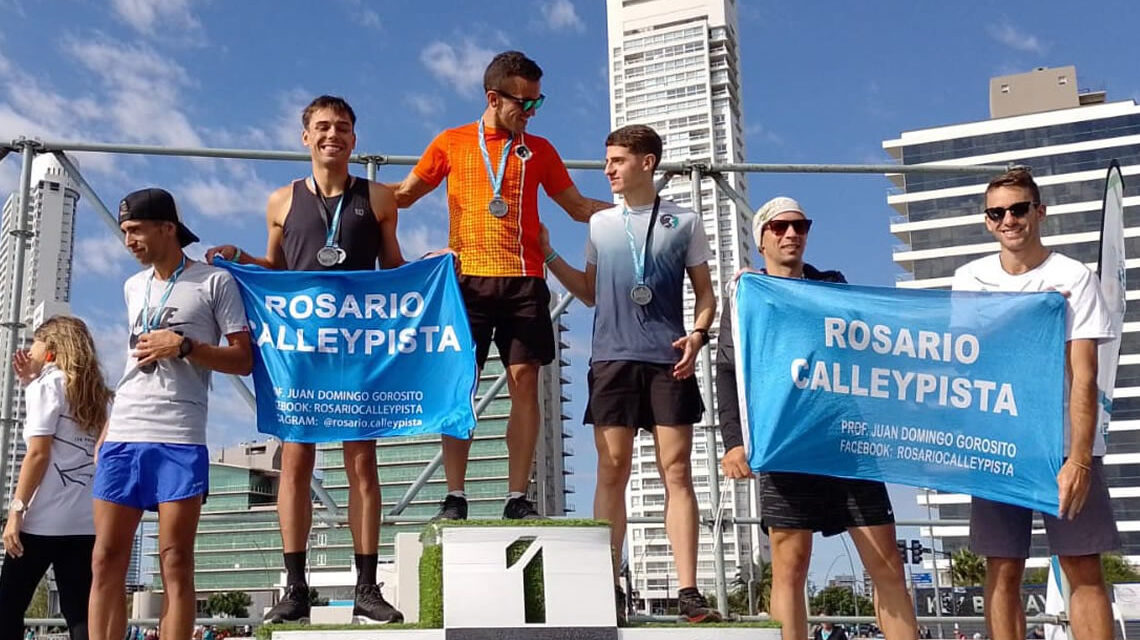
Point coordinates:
[[356, 355], [960, 392]]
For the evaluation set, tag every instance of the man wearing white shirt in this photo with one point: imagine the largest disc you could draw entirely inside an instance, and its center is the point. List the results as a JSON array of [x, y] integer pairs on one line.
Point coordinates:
[[1014, 214]]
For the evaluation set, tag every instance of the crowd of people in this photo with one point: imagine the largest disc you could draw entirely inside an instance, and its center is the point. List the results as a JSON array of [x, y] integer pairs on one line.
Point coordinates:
[[95, 466]]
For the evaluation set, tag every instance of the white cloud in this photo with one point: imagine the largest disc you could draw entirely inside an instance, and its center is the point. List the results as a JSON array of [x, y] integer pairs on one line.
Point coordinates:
[[143, 98], [426, 106], [1014, 38], [362, 14], [370, 19], [240, 191], [103, 257], [416, 240], [150, 16], [461, 67], [560, 15]]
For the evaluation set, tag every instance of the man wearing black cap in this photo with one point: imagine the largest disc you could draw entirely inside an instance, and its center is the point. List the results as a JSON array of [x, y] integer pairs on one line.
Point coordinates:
[[152, 455]]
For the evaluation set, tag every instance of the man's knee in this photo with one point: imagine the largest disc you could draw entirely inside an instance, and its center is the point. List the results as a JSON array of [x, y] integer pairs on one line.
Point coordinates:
[[364, 481], [677, 475], [791, 556], [613, 471], [1082, 570], [177, 564], [107, 562], [1004, 573]]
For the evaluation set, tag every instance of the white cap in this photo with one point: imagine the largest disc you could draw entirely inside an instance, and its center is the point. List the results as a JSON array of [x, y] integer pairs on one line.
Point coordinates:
[[771, 209]]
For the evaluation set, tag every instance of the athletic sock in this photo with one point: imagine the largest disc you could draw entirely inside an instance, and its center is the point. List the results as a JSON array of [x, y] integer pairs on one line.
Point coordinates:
[[295, 568], [458, 494], [365, 568]]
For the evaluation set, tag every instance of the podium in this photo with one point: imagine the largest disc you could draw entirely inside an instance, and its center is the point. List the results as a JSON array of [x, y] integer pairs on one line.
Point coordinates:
[[502, 580]]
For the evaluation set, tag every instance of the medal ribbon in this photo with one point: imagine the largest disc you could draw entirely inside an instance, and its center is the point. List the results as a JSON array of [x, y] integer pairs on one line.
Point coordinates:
[[332, 230], [149, 321], [495, 178], [640, 261]]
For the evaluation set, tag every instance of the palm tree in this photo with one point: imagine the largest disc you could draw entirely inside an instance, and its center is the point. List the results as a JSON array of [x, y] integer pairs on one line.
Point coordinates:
[[969, 569], [758, 578]]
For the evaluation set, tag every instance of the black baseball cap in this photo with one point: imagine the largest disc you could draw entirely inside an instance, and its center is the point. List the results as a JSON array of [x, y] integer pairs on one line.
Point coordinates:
[[155, 204]]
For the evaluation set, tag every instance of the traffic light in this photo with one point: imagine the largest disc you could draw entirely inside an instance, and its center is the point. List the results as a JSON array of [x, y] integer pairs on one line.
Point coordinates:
[[902, 549], [916, 552]]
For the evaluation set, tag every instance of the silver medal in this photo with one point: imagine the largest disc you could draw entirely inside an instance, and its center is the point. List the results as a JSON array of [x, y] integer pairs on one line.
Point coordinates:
[[329, 256], [497, 206], [641, 294]]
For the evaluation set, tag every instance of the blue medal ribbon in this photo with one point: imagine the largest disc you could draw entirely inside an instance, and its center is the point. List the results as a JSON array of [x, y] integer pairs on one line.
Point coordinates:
[[495, 178], [147, 320], [333, 227]]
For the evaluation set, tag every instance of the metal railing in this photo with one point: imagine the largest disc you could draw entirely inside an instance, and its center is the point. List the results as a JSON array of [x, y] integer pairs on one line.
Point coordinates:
[[694, 171]]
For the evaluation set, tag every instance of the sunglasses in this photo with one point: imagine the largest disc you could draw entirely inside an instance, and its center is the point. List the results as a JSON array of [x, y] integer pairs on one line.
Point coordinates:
[[527, 104], [1018, 209], [780, 227]]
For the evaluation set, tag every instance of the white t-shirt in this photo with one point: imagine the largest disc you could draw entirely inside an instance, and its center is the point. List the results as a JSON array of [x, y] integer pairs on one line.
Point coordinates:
[[168, 405], [1086, 313], [61, 505]]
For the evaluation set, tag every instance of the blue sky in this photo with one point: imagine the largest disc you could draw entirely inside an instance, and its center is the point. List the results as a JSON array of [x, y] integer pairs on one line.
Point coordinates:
[[822, 82]]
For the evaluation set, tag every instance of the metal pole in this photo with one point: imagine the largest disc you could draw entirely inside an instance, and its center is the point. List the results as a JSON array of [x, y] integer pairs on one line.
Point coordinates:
[[663, 181], [668, 167], [19, 237], [732, 194], [710, 436], [937, 580], [851, 563], [371, 170], [487, 398]]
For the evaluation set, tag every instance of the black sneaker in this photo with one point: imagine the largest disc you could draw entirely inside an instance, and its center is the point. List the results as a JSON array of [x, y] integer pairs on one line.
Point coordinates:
[[293, 606], [693, 607], [370, 607], [452, 508], [622, 611], [520, 509]]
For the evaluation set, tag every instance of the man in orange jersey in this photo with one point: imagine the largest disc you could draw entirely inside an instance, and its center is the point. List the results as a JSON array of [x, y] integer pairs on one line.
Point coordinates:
[[494, 169]]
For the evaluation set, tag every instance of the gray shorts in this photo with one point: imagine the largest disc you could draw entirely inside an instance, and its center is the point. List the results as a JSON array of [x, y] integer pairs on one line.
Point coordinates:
[[1004, 530]]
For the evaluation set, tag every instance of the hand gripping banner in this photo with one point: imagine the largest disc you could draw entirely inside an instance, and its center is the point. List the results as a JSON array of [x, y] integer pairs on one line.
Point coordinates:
[[355, 355], [960, 392]]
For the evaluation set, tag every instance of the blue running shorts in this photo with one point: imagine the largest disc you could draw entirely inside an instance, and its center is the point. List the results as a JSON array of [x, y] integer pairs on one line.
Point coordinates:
[[143, 474]]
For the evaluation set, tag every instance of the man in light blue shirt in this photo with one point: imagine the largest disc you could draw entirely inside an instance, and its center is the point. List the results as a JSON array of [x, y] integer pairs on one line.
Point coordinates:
[[642, 363]]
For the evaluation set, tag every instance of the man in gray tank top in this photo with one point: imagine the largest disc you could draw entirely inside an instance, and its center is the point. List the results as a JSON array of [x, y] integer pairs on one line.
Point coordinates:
[[330, 221]]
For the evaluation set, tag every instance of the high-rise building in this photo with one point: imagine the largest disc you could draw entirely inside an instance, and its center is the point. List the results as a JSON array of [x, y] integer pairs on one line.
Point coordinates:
[[1067, 136], [46, 286], [675, 65], [232, 554]]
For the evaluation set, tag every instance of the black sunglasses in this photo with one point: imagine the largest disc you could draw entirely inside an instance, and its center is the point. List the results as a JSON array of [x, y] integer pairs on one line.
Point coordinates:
[[525, 103], [780, 227], [1018, 209]]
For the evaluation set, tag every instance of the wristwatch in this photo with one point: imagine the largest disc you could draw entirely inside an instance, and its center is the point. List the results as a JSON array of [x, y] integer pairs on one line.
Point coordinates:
[[185, 347], [17, 506], [704, 335]]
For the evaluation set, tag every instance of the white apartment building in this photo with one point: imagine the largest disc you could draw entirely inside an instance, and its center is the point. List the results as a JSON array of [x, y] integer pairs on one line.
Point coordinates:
[[675, 66]]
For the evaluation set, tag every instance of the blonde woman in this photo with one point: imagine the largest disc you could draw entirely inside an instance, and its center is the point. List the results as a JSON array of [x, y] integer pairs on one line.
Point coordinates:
[[50, 517]]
